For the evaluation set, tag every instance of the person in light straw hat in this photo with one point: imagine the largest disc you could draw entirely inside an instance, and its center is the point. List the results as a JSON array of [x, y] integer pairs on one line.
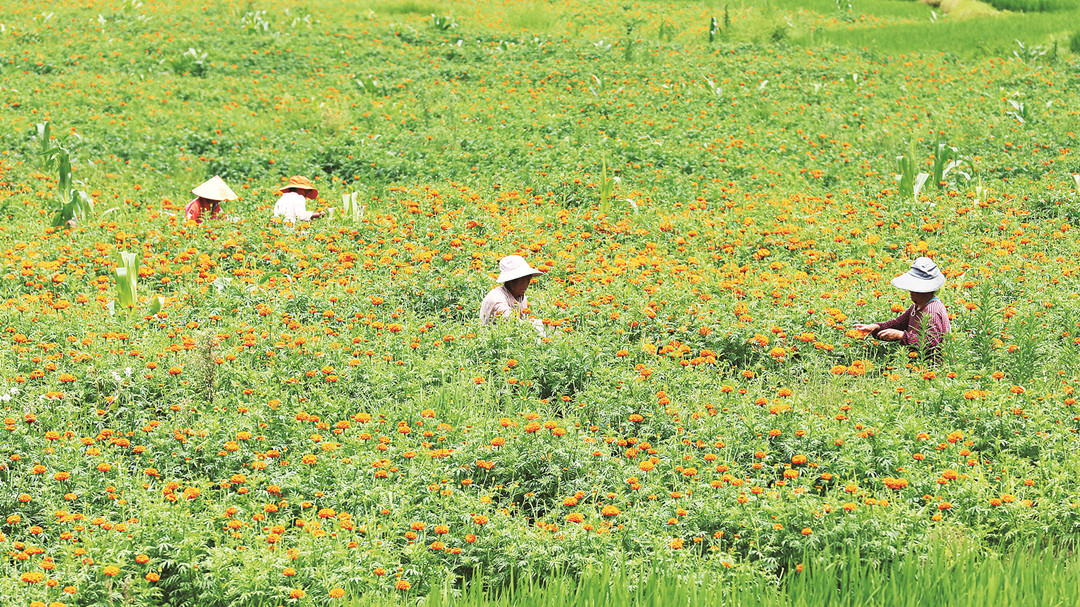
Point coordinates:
[[208, 197], [293, 202], [925, 324], [508, 299]]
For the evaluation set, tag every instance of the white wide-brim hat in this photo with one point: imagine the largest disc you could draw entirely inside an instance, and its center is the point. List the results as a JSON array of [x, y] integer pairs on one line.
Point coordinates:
[[515, 266], [923, 277], [214, 189]]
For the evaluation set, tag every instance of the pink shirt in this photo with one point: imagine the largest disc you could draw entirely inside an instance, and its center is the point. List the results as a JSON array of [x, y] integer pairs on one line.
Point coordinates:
[[917, 333], [194, 212], [499, 302]]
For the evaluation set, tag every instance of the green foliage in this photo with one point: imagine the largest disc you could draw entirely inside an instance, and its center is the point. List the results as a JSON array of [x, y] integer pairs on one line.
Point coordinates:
[[316, 407], [910, 180], [1033, 6], [352, 211], [71, 204], [607, 187], [192, 62], [936, 574], [127, 280], [946, 160]]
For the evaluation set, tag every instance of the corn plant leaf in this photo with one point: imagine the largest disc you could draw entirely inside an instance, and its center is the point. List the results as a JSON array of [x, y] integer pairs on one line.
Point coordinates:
[[955, 166], [64, 184], [65, 213], [221, 283], [918, 185], [266, 277], [127, 279]]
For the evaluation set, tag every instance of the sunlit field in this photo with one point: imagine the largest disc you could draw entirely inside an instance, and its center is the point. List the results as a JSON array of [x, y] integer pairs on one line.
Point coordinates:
[[248, 412]]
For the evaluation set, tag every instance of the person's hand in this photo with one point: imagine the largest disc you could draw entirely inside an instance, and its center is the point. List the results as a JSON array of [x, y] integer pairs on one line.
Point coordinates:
[[868, 329], [316, 214], [890, 335]]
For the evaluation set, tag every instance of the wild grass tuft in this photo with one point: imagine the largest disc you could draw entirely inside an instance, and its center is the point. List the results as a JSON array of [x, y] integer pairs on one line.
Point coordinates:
[[952, 573], [1033, 6], [532, 16]]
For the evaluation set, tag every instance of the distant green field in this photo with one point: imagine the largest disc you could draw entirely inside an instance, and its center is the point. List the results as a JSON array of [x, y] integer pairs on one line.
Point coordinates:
[[245, 411]]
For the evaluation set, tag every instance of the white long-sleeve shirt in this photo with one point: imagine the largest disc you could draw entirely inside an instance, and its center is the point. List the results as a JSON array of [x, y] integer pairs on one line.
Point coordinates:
[[292, 206], [498, 303]]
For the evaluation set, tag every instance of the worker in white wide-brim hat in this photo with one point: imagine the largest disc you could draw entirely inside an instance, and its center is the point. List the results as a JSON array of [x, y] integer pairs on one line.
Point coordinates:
[[508, 299], [208, 198], [925, 324]]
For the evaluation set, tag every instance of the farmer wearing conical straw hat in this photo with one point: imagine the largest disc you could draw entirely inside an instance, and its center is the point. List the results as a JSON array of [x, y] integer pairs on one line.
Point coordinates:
[[208, 197], [293, 202], [925, 324]]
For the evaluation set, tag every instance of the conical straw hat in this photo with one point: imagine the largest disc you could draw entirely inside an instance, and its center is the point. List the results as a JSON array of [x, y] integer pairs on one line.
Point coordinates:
[[214, 189]]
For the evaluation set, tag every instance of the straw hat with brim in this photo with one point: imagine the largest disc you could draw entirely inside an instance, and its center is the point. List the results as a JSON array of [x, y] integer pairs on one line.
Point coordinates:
[[515, 266], [923, 277], [214, 189], [303, 186]]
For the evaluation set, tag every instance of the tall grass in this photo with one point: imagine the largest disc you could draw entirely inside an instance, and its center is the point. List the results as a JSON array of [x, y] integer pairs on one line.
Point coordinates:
[[946, 574], [889, 8], [401, 7], [1033, 6], [532, 16], [961, 37]]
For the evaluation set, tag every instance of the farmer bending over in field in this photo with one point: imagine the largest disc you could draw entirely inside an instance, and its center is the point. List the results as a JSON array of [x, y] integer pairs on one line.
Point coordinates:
[[923, 325], [208, 197], [508, 300], [293, 202]]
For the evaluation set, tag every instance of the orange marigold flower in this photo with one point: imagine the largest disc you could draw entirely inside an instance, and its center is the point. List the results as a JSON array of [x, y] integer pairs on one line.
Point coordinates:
[[32, 577], [610, 510]]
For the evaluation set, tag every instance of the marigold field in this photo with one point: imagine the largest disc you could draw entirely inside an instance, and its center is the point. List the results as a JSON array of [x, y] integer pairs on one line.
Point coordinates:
[[309, 415]]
